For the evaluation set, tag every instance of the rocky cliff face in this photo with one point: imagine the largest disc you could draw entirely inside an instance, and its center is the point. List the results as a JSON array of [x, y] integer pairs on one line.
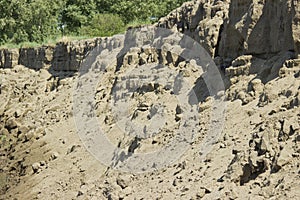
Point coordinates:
[[259, 28], [202, 20], [226, 29], [257, 156], [64, 56], [233, 28]]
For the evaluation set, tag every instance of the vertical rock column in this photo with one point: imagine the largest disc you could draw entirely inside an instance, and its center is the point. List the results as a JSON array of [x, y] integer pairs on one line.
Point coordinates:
[[9, 58], [296, 25], [262, 29]]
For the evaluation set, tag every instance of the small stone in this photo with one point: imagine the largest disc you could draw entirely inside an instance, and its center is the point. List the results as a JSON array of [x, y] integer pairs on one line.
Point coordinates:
[[14, 132], [179, 110], [72, 149], [127, 191], [39, 133], [80, 193], [29, 136], [23, 129], [201, 193], [257, 86], [175, 182], [241, 95], [36, 167], [263, 146], [4, 131], [221, 94], [11, 124], [18, 68], [222, 145], [18, 113], [43, 163], [54, 156], [178, 117], [286, 127], [204, 106], [185, 189], [124, 181], [284, 158]]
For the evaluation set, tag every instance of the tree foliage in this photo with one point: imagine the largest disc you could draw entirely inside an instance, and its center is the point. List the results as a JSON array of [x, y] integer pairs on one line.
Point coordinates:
[[28, 20], [131, 10], [77, 13], [103, 24], [37, 20]]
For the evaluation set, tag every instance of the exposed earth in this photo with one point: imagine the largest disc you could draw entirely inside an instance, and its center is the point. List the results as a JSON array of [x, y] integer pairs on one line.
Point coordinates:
[[250, 102]]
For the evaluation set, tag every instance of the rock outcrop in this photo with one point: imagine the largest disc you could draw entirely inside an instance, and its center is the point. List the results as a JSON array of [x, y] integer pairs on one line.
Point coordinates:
[[259, 28], [226, 29], [231, 29], [201, 20], [64, 56], [137, 103]]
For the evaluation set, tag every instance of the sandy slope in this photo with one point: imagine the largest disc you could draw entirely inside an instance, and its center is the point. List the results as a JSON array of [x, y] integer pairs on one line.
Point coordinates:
[[256, 156]]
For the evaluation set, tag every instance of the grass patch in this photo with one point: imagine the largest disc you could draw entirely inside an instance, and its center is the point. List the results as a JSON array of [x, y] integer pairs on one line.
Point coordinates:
[[137, 23], [21, 45], [9, 46], [72, 38], [47, 42], [69, 38]]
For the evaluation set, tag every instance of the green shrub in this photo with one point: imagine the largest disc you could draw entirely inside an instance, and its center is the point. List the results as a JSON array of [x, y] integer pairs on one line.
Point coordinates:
[[103, 25]]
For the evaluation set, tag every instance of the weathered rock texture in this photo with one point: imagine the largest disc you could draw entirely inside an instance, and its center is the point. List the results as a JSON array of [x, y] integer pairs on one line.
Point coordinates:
[[257, 155], [260, 28], [201, 20], [233, 28], [64, 56], [226, 29]]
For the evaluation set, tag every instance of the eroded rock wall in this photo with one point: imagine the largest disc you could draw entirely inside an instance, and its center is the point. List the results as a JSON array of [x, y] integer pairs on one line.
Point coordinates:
[[261, 28], [233, 28], [226, 29], [257, 155], [64, 56], [202, 20]]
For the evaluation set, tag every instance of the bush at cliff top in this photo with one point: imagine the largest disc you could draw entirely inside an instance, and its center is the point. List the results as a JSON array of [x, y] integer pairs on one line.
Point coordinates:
[[103, 25], [39, 20], [28, 21]]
